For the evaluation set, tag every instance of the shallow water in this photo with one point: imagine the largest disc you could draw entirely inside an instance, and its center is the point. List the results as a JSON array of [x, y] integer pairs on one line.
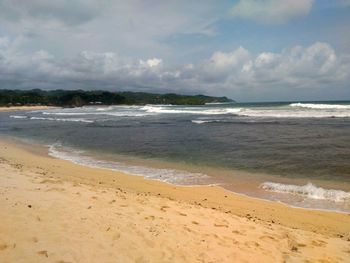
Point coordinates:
[[285, 143]]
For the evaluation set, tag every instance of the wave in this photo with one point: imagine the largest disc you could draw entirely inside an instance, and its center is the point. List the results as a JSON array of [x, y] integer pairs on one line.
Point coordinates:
[[294, 110], [218, 103], [237, 121], [18, 117], [62, 119], [172, 176], [191, 110], [116, 114], [320, 106], [281, 113], [65, 113], [200, 121], [249, 112], [309, 191]]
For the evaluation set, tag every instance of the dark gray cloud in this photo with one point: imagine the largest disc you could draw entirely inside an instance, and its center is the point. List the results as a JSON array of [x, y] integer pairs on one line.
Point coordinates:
[[64, 11]]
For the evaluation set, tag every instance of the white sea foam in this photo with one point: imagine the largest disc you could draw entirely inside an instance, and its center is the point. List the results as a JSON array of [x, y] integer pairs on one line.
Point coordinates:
[[309, 191], [286, 113], [128, 114], [107, 113], [190, 110], [62, 119], [200, 121], [294, 110], [230, 120], [276, 112], [65, 113], [165, 175], [320, 106], [218, 103], [18, 117]]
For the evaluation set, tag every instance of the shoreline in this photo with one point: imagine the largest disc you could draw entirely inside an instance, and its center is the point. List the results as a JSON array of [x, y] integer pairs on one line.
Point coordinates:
[[250, 188], [41, 151], [299, 228]]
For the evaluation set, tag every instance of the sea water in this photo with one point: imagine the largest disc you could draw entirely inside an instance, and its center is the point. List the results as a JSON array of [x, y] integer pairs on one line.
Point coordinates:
[[297, 153]]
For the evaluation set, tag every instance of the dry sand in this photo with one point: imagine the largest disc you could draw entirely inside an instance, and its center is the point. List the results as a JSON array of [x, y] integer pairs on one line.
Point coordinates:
[[56, 211], [18, 108]]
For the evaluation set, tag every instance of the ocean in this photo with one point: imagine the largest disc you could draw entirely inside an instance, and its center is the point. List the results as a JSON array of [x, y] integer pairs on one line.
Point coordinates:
[[295, 153]]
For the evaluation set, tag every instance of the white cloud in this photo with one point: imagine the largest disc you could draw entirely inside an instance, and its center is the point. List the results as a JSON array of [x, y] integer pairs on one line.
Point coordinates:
[[298, 66], [271, 11], [240, 71], [154, 62]]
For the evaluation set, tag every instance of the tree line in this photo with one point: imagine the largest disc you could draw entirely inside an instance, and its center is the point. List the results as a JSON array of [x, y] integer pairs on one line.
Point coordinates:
[[78, 98]]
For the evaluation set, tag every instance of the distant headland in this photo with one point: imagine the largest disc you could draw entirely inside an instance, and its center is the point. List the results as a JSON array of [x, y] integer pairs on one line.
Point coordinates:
[[78, 98]]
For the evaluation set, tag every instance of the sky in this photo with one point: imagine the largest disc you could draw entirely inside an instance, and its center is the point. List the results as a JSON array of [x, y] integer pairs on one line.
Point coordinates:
[[248, 50]]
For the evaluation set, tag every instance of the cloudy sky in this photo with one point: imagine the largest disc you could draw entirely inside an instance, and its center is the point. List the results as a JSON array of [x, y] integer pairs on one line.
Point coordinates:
[[249, 50]]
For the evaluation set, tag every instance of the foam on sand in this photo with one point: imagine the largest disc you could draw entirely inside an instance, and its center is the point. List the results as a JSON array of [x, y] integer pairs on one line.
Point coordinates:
[[172, 176], [309, 191]]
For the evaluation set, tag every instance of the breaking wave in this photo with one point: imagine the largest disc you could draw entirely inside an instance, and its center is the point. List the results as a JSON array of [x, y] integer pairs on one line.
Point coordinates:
[[191, 110], [320, 106], [18, 117], [200, 121], [62, 119], [51, 119], [287, 113], [309, 191], [114, 113], [293, 110]]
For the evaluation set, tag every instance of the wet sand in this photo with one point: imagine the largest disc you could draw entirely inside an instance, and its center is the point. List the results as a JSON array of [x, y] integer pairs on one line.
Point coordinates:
[[56, 211]]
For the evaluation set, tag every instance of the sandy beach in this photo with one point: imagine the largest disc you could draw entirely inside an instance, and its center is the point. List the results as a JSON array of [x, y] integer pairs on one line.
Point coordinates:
[[56, 211], [19, 108]]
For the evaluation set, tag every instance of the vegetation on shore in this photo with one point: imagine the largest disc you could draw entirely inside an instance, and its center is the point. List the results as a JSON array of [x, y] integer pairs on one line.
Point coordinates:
[[77, 98]]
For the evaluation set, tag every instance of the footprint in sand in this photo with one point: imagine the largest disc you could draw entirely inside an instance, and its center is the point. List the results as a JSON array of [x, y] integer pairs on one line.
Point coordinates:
[[220, 225], [267, 238], [318, 243], [239, 232], [164, 207], [150, 217], [51, 181], [250, 244], [3, 246], [58, 189], [116, 236], [43, 253]]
